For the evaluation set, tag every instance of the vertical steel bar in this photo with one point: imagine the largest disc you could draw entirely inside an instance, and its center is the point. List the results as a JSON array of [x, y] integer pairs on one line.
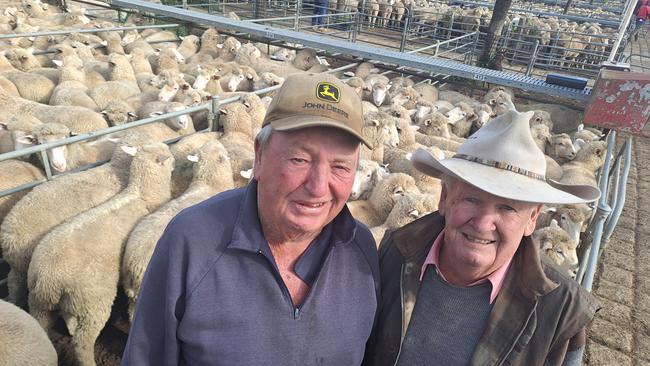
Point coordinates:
[[529, 69], [618, 206], [296, 20], [214, 109], [622, 28], [46, 164], [602, 212], [402, 45]]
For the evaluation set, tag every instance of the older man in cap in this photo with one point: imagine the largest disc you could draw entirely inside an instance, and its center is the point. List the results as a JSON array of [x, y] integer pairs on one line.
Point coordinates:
[[278, 272], [466, 285]]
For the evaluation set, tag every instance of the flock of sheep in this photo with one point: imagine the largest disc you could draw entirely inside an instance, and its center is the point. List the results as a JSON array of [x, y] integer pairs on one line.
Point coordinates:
[[72, 242]]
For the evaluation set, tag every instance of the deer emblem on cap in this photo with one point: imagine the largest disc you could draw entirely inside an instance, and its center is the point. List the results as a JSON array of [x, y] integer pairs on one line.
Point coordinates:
[[328, 92]]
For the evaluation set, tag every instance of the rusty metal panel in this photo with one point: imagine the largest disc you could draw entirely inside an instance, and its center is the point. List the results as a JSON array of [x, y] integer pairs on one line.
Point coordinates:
[[620, 101]]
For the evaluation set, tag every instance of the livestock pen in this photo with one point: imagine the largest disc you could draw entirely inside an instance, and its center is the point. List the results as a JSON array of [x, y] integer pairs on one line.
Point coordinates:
[[405, 55]]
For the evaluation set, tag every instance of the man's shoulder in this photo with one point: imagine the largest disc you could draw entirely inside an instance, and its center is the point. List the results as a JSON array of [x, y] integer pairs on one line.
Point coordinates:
[[569, 292], [207, 220]]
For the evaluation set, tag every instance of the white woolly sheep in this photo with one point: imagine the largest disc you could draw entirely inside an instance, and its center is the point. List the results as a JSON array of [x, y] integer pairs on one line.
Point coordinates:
[[560, 148], [582, 169], [212, 174], [369, 173], [33, 87], [428, 93], [376, 89], [13, 173], [37, 213], [14, 133], [24, 341], [565, 119], [78, 276], [571, 217], [375, 210], [118, 112], [407, 209], [558, 246], [168, 128], [183, 169]]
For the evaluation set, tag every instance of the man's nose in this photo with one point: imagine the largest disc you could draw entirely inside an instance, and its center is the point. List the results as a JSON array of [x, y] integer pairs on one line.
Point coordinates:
[[483, 220], [318, 180]]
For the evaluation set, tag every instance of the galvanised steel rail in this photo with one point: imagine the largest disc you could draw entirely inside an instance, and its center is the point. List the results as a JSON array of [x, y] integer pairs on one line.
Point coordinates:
[[89, 30], [419, 62]]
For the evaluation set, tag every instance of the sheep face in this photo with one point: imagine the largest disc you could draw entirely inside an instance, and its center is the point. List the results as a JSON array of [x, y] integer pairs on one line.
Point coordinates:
[[368, 174], [168, 92], [558, 246], [379, 92], [562, 147]]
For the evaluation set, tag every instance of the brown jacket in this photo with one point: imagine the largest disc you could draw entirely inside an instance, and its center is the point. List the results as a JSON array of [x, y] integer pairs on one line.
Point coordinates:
[[537, 317]]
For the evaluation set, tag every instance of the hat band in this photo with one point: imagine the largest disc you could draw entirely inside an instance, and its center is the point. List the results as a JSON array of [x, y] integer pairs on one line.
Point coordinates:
[[501, 165]]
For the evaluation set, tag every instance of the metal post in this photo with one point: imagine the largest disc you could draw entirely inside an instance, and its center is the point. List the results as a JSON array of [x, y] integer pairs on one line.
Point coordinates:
[[621, 29], [185, 4], [407, 23], [46, 164], [602, 212], [470, 61], [620, 202], [296, 21], [213, 114], [529, 69]]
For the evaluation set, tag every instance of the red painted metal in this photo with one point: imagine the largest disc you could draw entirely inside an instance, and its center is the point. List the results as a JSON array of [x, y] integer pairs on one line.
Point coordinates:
[[620, 101]]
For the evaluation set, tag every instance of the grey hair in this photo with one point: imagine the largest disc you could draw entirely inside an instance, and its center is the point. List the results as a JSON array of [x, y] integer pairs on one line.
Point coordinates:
[[264, 136]]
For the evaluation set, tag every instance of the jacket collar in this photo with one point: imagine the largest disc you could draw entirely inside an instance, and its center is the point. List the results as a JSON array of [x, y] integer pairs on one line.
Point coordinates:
[[415, 240]]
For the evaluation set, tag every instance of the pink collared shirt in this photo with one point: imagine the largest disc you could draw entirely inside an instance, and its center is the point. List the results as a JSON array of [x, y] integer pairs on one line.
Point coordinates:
[[496, 278]]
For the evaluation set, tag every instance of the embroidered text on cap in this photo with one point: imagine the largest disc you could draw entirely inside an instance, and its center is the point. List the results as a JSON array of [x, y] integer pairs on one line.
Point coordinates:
[[328, 92]]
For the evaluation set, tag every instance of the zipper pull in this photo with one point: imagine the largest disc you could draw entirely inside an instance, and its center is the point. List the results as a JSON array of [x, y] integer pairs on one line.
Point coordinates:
[[296, 313]]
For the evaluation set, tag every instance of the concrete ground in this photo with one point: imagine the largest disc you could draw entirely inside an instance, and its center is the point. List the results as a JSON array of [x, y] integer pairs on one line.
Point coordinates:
[[620, 333]]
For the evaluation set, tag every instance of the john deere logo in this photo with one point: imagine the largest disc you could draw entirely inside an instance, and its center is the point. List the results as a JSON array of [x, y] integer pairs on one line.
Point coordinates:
[[328, 92]]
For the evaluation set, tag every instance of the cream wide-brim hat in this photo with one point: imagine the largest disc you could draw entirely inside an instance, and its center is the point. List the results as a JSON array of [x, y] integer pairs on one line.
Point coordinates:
[[502, 159]]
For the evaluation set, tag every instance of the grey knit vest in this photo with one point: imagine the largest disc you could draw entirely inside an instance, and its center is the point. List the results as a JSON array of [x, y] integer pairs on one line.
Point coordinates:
[[446, 324]]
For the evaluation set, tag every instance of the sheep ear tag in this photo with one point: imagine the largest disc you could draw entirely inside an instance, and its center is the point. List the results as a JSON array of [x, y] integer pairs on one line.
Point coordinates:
[[328, 92]]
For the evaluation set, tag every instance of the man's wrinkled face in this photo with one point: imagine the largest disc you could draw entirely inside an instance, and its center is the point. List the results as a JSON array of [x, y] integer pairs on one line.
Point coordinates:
[[482, 231], [305, 177]]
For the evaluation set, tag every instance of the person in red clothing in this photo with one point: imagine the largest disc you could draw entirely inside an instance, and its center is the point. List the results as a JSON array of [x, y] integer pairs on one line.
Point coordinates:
[[641, 17]]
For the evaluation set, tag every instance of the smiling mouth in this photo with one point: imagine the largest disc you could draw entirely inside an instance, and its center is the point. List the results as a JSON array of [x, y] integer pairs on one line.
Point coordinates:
[[312, 205], [477, 240]]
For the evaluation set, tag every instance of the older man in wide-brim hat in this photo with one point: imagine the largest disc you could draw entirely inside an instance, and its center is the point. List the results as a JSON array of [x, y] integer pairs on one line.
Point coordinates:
[[466, 285]]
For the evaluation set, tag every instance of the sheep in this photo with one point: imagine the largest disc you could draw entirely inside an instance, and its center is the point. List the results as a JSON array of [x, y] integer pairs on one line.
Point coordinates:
[[9, 86], [541, 117], [188, 145], [408, 208], [118, 112], [72, 89], [406, 97], [586, 134], [381, 129], [427, 92], [454, 97], [565, 120], [435, 124], [33, 87], [79, 277], [140, 63], [14, 133], [168, 128], [13, 173], [237, 139], [582, 169], [376, 88], [542, 135], [22, 59], [423, 108], [364, 69], [24, 341], [560, 148], [37, 213], [559, 247], [498, 94], [212, 174], [375, 210], [553, 169], [267, 80], [369, 173], [571, 217], [105, 92], [189, 46], [255, 109]]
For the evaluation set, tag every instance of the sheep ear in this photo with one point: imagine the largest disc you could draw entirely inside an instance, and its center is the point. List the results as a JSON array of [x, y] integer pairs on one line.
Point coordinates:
[[154, 114], [223, 111], [3, 126], [581, 127], [348, 74], [554, 224], [579, 144], [219, 45], [248, 174], [408, 156], [193, 158], [131, 114], [414, 213], [181, 37], [129, 150], [58, 63], [27, 140], [374, 122], [547, 245]]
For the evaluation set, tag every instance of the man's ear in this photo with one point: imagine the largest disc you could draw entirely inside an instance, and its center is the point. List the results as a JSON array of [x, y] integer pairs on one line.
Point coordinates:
[[530, 226]]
